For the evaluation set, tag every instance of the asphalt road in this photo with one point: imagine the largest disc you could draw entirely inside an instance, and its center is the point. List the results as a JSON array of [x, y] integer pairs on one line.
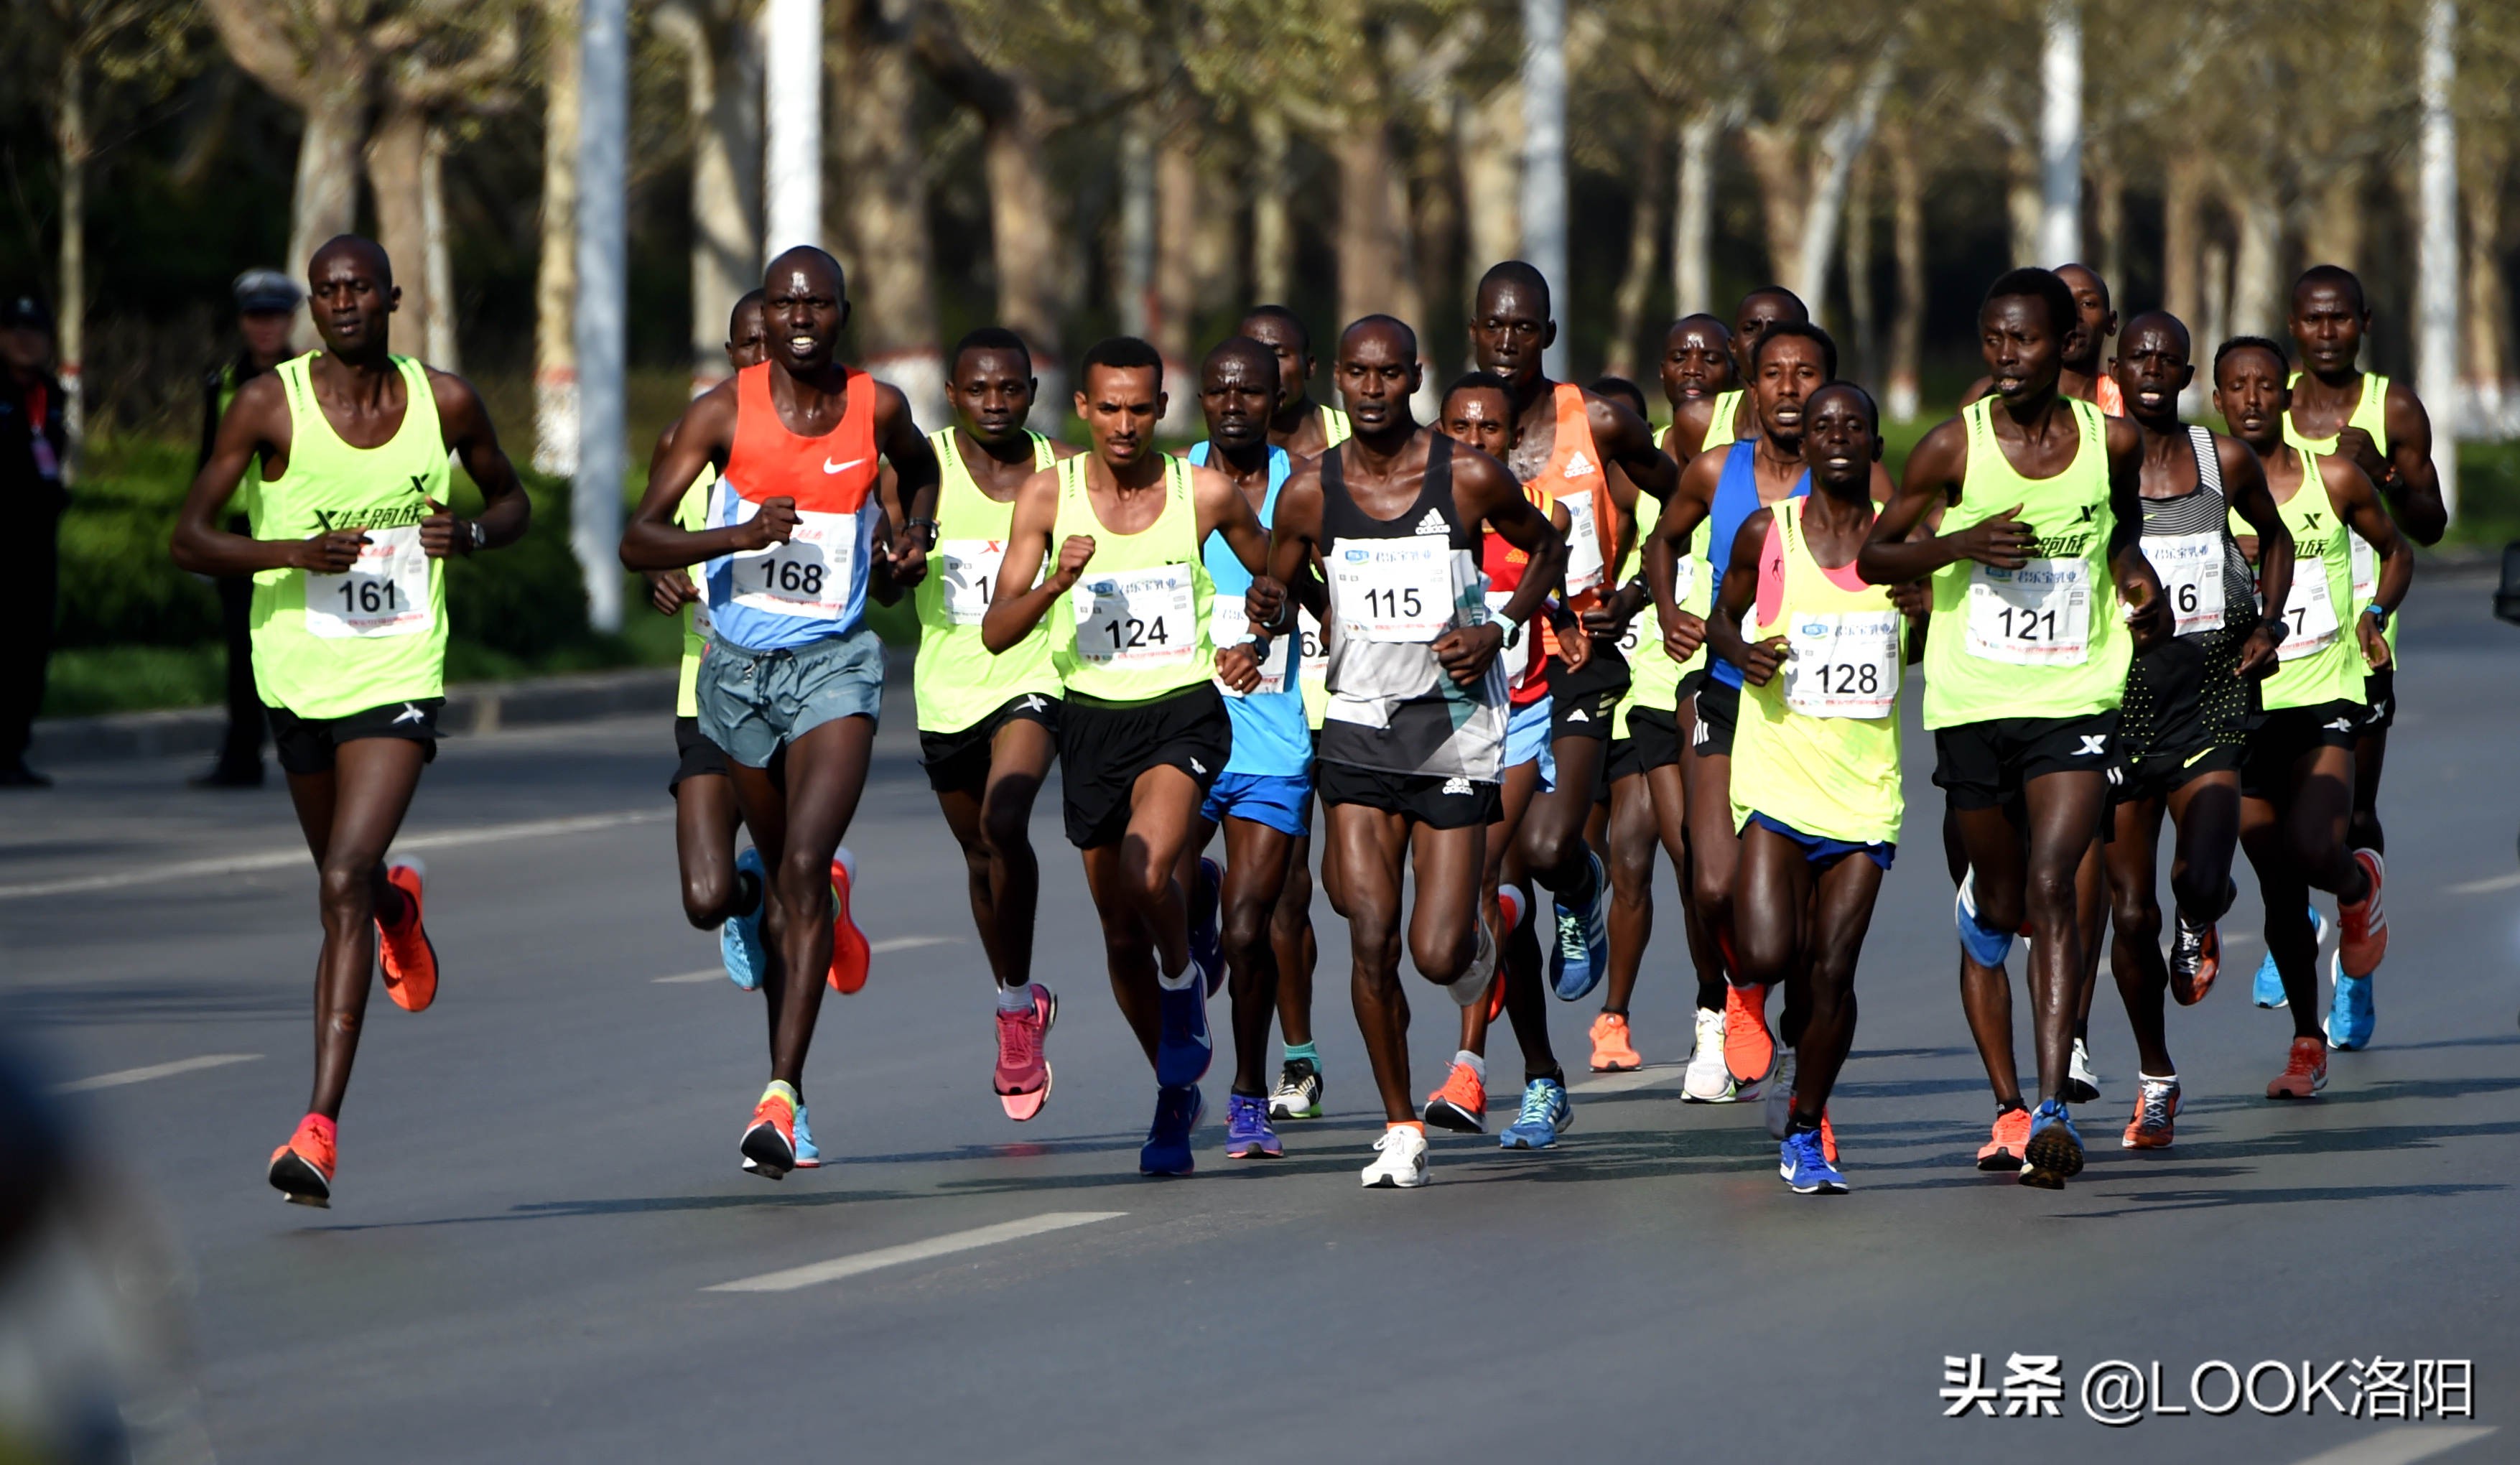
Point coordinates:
[[539, 1183]]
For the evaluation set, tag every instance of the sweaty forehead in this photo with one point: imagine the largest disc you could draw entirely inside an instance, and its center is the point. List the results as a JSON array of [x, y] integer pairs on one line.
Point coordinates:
[[1373, 345], [1511, 298], [990, 361], [1484, 402], [1244, 367]]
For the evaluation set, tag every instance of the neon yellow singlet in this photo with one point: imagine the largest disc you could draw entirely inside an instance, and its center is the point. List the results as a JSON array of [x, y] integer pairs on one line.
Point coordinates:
[[1806, 753], [328, 645], [1653, 677], [2371, 414], [1335, 429], [2322, 661], [692, 513], [2043, 641], [1719, 427], [1134, 627], [957, 682]]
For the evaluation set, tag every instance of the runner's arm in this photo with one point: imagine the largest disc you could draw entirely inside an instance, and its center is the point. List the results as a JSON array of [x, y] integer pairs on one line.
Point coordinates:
[[506, 510], [2413, 489], [1683, 631], [1483, 490], [1894, 553], [1690, 421], [2358, 503], [256, 422], [1012, 612], [1223, 509], [1294, 539], [2147, 608], [1757, 660], [916, 476], [698, 440], [2244, 486], [1628, 441]]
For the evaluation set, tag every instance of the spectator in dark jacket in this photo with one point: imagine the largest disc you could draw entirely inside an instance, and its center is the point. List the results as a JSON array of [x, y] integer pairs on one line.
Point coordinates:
[[34, 444], [266, 303]]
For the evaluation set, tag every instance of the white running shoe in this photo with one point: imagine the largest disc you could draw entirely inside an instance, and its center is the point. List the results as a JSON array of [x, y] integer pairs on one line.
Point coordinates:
[[1399, 1160], [1708, 1080], [2082, 1085]]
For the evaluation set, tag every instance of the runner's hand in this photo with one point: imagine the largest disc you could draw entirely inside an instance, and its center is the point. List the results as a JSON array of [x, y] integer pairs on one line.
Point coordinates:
[[1072, 557], [1467, 652], [1574, 647], [906, 561], [670, 591], [2001, 541], [1763, 657], [437, 536], [331, 552], [1681, 634], [1266, 605], [2355, 445], [1608, 620], [773, 525], [1238, 666], [2376, 642], [2147, 613], [1913, 600], [2259, 654]]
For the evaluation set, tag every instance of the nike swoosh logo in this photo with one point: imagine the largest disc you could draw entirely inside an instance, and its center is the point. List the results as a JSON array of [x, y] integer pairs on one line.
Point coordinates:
[[829, 466]]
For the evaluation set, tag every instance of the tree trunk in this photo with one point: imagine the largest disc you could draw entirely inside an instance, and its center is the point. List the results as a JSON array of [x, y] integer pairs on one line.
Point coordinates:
[[1908, 245], [2332, 232], [1217, 283], [2213, 306], [2183, 242], [1372, 256], [1644, 239], [892, 263], [1774, 153], [1433, 211], [2256, 291], [1174, 280], [1544, 158], [2108, 217], [396, 162], [439, 261], [1693, 223], [1488, 146], [556, 268], [76, 147], [1862, 358], [325, 201], [2489, 401], [1272, 228], [2023, 204], [1848, 133], [1028, 240], [2061, 135], [723, 87], [1133, 263]]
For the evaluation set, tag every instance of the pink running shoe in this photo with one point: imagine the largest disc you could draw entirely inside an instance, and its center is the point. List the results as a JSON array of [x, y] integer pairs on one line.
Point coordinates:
[[1023, 1079]]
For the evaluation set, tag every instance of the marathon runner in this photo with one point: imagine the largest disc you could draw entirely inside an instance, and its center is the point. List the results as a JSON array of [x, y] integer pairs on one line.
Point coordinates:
[[350, 530], [2297, 782], [1413, 742], [2184, 726], [988, 726], [1145, 734], [2040, 547], [792, 675], [1725, 416]]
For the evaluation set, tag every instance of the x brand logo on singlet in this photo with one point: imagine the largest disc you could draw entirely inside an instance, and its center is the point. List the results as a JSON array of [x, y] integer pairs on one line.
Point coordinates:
[[2091, 512]]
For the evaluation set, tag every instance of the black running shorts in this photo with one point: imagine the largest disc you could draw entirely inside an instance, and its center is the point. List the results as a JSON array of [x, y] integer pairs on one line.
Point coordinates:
[[1429, 799], [1106, 745], [306, 744], [1984, 764], [2283, 736], [959, 759]]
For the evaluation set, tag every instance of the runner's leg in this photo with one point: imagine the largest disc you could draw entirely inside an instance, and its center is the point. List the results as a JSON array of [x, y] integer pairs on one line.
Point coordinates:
[[1365, 848], [350, 816], [1255, 872], [2134, 952], [704, 823], [1841, 915], [1986, 991], [826, 771], [1136, 889], [1630, 839]]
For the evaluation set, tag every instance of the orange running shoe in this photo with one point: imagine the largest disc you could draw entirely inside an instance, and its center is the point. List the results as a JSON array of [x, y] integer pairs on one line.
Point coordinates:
[[2362, 930], [302, 1169], [404, 948], [1461, 1105], [1748, 1050], [2156, 1105], [2002, 1148], [1612, 1052], [850, 957], [2304, 1071], [770, 1140], [1827, 1139]]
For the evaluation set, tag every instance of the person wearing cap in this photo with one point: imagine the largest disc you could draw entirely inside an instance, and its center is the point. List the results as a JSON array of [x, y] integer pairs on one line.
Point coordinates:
[[266, 304], [35, 443]]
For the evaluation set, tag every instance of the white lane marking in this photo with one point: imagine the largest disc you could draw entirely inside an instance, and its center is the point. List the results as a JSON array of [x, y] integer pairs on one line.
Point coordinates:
[[238, 865], [884, 946], [815, 1273], [2403, 1445], [1634, 1078], [2488, 887], [154, 1071]]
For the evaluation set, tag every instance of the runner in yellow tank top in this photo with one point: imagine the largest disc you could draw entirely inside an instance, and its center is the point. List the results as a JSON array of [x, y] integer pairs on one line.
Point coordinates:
[[2041, 543], [1146, 732], [349, 529], [1725, 415], [2297, 785]]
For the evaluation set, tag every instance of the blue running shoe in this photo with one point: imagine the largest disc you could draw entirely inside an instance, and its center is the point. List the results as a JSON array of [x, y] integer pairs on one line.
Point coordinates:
[[1247, 1128], [2054, 1153], [1183, 1048], [1206, 943], [1986, 945], [738, 941], [808, 1156], [1805, 1167], [2266, 990], [1546, 1115], [1178, 1111], [2348, 1012], [1581, 957]]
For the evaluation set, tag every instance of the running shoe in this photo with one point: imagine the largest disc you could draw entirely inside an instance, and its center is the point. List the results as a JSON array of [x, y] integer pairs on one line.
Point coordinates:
[[1399, 1160], [2267, 990], [2156, 1105], [1022, 1077], [1805, 1167], [1247, 1128], [1582, 955], [770, 1140], [1612, 1052], [1206, 942], [1178, 1111], [2082, 1082], [1298, 1094], [2349, 1010], [1827, 1139], [1546, 1115], [2053, 1154], [2003, 1146], [1778, 1091], [301, 1169], [739, 940], [1708, 1080], [850, 955], [1748, 1050], [808, 1156], [1986, 945], [2362, 930], [1462, 1104], [404, 948], [2195, 960], [1183, 1048], [2304, 1071]]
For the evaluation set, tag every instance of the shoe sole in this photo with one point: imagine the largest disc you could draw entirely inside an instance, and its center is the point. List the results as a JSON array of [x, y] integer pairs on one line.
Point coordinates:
[[1255, 1152], [2001, 1160], [1728, 1094], [2278, 1090], [2049, 1160], [2131, 1142], [1816, 1188], [1394, 1182], [1277, 1114], [300, 1184], [1616, 1067], [772, 1157], [1446, 1116], [1519, 1143], [2081, 1091]]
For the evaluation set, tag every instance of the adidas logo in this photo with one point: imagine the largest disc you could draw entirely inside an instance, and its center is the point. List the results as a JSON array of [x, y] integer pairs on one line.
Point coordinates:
[[1456, 785], [1434, 523], [1577, 464]]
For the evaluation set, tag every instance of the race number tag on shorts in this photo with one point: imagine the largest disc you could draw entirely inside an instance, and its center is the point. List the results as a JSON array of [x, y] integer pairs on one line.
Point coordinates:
[[1393, 590], [1583, 568], [2189, 567], [385, 594], [969, 568], [1843, 665], [1137, 618], [808, 576], [2309, 616], [1228, 624], [2037, 615]]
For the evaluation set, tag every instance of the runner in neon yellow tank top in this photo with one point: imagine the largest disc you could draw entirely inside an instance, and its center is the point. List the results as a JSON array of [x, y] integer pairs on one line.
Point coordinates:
[[1726, 417], [988, 726], [2297, 784], [2041, 543], [1118, 531], [349, 527]]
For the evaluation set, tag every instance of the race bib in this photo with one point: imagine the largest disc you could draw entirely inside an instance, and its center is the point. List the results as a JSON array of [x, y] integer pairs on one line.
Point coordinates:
[[1843, 665], [1584, 567], [385, 594], [1317, 652], [702, 624], [1393, 590], [2310, 615], [1137, 618], [967, 569], [2037, 615], [2190, 569], [1228, 624], [808, 576]]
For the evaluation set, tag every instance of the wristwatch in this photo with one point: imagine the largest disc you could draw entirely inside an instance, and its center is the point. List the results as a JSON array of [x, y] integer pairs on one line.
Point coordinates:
[[477, 537], [2378, 612], [924, 530], [2277, 628]]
